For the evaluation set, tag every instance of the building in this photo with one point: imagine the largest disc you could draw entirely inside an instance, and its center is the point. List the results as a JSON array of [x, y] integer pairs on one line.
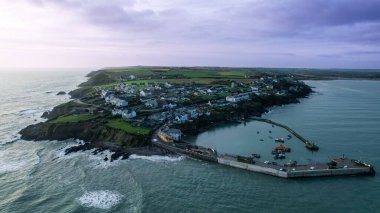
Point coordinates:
[[255, 90], [238, 98], [174, 134], [180, 119], [151, 103], [121, 103], [128, 115]]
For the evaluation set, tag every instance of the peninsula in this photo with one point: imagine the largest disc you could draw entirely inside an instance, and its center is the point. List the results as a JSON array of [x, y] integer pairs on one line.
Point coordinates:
[[139, 110]]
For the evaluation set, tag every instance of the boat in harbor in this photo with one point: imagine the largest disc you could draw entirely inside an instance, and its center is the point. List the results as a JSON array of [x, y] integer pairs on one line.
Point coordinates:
[[279, 156], [280, 149], [256, 156], [280, 140]]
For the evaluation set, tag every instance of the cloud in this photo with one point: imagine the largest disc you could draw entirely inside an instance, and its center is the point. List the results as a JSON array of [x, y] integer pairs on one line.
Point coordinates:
[[363, 53], [334, 20], [248, 32]]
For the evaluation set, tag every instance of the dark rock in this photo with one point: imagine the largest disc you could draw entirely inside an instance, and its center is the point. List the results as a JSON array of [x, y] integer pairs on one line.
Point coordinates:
[[106, 158], [61, 93], [45, 114], [83, 147]]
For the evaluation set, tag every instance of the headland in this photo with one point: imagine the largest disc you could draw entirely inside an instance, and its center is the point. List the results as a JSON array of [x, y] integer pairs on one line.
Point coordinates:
[[124, 109]]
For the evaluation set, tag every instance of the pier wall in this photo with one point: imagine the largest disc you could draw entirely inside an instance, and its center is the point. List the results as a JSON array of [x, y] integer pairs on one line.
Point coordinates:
[[186, 152], [329, 172], [295, 174], [252, 167]]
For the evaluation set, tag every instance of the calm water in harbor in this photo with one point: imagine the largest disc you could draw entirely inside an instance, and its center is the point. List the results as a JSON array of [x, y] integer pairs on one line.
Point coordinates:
[[341, 117]]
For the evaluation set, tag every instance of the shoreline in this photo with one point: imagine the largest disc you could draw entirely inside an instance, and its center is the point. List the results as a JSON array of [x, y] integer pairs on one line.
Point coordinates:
[[147, 149]]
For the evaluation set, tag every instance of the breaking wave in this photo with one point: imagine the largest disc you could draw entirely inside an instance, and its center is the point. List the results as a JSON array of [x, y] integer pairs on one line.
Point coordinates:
[[103, 199]]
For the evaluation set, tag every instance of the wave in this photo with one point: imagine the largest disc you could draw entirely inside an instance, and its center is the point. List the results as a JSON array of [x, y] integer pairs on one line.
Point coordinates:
[[12, 139], [102, 199], [22, 157], [157, 158]]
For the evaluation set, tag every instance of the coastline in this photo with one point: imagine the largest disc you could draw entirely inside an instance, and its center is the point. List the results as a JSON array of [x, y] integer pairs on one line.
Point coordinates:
[[145, 147]]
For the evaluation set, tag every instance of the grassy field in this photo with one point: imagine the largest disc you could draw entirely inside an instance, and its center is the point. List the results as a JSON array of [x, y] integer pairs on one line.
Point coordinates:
[[123, 125], [72, 118], [176, 81], [181, 72]]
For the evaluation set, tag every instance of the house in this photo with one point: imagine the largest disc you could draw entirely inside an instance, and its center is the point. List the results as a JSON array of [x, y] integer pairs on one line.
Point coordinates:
[[174, 134], [118, 112], [151, 103], [180, 119], [128, 115], [167, 85], [132, 77], [255, 90], [121, 103], [170, 106], [193, 113], [238, 98]]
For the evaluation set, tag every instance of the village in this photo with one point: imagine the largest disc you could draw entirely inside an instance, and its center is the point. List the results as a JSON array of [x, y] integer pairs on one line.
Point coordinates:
[[151, 105]]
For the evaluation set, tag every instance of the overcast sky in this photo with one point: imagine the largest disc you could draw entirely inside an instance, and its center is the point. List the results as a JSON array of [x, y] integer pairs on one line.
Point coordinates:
[[244, 33]]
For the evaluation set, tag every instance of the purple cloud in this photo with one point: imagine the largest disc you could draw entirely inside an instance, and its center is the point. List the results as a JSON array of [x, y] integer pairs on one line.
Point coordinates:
[[241, 32]]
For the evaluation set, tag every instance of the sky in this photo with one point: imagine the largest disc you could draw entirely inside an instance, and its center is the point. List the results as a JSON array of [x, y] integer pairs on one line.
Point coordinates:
[[237, 33]]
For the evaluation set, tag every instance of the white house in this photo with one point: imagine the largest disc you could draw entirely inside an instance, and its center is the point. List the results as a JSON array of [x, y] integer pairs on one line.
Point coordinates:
[[174, 134], [238, 98], [180, 119], [167, 85], [142, 93], [121, 103], [255, 90], [127, 115], [116, 112]]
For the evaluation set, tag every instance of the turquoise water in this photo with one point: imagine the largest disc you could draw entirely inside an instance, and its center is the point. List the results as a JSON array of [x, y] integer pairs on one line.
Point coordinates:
[[341, 117]]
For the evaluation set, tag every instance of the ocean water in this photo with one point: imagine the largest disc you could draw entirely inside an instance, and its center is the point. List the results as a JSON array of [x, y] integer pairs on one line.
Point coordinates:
[[342, 117]]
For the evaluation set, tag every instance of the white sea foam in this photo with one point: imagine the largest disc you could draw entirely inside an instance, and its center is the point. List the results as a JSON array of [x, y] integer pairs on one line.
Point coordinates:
[[11, 139], [156, 158], [98, 162], [103, 199]]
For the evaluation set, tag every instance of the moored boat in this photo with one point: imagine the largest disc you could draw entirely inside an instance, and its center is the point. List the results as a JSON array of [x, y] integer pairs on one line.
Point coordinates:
[[280, 140]]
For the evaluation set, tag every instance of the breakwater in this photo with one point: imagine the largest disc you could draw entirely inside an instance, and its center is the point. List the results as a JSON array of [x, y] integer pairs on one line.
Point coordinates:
[[342, 167], [199, 153], [308, 144]]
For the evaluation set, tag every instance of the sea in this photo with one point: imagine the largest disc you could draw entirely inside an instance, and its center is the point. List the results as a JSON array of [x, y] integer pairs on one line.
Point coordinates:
[[342, 117]]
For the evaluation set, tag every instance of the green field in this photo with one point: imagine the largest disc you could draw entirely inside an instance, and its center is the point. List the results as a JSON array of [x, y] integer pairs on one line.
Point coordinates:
[[175, 81], [72, 118], [180, 72], [123, 125]]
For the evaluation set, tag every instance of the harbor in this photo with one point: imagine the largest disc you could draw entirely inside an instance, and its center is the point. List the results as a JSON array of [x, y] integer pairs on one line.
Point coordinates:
[[309, 145], [340, 166]]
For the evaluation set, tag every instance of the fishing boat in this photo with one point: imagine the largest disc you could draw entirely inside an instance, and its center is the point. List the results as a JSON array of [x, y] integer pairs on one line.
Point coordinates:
[[280, 140]]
